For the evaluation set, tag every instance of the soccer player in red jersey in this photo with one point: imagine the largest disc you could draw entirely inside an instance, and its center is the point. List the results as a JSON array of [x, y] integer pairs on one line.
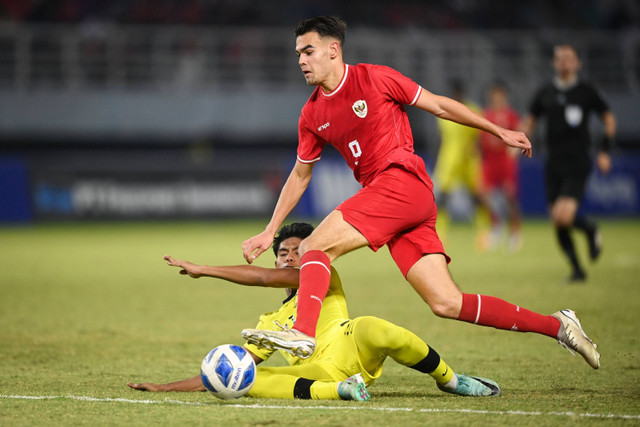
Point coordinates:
[[359, 109], [500, 165]]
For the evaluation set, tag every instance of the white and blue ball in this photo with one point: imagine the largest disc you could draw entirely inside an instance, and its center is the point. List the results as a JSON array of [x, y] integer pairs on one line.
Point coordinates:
[[228, 371]]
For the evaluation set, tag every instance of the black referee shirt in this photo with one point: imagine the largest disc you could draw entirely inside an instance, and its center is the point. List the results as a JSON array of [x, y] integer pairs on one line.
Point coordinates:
[[567, 112]]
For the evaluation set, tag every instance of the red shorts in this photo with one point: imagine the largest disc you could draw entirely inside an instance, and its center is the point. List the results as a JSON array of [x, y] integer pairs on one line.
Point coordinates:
[[501, 174], [397, 209]]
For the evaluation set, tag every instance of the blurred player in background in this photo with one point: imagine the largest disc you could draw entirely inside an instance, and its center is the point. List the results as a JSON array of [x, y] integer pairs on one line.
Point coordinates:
[[567, 103], [346, 347], [359, 109], [500, 167], [458, 164]]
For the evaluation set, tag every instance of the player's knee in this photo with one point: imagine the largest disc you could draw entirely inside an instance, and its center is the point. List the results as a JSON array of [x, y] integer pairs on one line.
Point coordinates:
[[308, 245], [447, 308], [304, 247], [563, 212], [561, 219], [377, 333], [431, 279]]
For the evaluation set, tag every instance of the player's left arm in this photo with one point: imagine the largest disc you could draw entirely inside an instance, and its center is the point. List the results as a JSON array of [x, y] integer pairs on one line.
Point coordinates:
[[248, 275], [189, 384], [449, 109], [603, 159]]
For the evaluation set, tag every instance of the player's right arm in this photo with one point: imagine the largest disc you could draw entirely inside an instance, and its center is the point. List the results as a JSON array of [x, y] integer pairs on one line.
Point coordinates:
[[247, 275], [290, 194]]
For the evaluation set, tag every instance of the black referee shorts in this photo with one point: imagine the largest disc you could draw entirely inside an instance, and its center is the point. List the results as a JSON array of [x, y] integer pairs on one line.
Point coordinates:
[[566, 178]]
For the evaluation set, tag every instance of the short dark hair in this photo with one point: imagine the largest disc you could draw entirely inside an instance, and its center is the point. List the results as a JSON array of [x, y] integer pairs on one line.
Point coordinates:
[[566, 46], [300, 230], [325, 26]]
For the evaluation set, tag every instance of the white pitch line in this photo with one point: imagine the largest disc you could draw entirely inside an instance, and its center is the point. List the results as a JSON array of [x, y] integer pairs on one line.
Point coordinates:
[[333, 408]]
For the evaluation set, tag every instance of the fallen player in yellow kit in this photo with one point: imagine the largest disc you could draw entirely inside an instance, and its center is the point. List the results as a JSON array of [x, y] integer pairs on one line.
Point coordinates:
[[350, 352]]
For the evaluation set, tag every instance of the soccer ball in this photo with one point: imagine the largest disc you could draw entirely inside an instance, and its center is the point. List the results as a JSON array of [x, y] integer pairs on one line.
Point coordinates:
[[228, 371]]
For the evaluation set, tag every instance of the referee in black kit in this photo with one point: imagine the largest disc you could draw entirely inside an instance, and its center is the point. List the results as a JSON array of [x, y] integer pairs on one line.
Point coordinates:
[[566, 103]]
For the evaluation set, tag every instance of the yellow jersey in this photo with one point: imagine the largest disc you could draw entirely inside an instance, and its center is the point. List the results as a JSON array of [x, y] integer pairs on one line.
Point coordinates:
[[458, 136], [334, 312], [459, 158]]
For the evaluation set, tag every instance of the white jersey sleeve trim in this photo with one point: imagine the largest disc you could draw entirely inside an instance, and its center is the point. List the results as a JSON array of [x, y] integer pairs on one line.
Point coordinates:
[[308, 161], [415, 98]]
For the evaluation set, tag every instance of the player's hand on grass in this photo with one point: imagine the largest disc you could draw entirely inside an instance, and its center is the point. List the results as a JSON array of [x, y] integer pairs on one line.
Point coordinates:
[[145, 386], [516, 139], [187, 267], [253, 247]]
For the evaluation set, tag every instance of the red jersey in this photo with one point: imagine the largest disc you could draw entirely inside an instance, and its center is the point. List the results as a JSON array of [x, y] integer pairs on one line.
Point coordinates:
[[365, 120], [494, 150]]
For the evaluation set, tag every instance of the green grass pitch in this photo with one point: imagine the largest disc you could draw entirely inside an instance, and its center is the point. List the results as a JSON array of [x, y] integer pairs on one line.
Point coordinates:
[[86, 308]]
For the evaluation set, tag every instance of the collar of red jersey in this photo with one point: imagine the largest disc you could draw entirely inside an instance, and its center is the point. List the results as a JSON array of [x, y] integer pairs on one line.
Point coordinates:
[[336, 90]]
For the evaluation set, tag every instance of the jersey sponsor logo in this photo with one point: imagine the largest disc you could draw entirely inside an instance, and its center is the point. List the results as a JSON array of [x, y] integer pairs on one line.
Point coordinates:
[[573, 115], [324, 126], [360, 108]]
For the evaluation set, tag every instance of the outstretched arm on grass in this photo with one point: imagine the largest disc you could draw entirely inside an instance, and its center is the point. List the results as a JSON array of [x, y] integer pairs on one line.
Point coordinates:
[[189, 384], [248, 275]]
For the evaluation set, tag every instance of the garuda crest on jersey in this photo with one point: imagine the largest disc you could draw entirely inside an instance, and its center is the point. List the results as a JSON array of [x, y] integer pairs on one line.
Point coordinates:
[[360, 108]]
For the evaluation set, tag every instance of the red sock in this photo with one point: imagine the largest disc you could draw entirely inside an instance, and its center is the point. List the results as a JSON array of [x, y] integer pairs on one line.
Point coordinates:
[[491, 311], [315, 275]]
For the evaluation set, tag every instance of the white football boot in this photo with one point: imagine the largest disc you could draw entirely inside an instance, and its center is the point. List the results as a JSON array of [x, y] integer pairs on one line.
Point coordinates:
[[290, 340], [572, 337]]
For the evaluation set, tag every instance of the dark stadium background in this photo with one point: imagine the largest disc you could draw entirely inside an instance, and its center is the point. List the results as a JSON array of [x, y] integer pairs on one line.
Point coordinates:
[[118, 109]]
